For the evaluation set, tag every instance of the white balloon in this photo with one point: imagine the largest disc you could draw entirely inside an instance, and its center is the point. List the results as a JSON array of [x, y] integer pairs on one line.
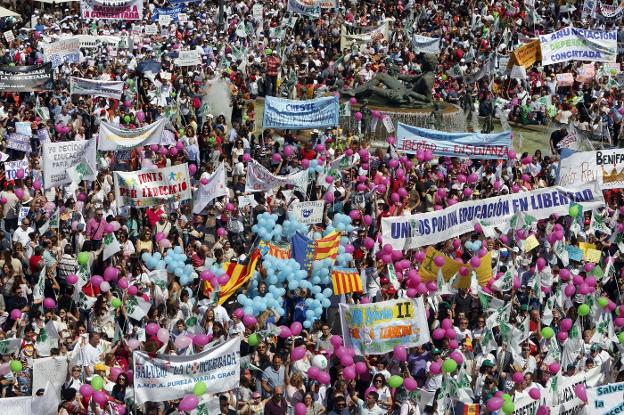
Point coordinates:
[[319, 361]]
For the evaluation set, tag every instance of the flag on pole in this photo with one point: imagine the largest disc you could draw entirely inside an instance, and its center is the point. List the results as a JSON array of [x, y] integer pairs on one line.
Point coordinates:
[[327, 247], [346, 280], [239, 274]]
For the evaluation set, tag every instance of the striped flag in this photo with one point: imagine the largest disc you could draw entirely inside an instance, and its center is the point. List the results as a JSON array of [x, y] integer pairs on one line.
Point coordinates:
[[327, 247], [276, 251], [239, 275], [346, 280]]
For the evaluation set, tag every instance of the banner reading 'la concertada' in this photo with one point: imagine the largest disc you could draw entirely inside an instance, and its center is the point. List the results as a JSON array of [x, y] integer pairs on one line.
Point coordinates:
[[145, 188], [572, 44], [604, 166], [113, 138], [470, 145], [377, 328], [295, 115], [168, 377], [414, 231], [26, 78]]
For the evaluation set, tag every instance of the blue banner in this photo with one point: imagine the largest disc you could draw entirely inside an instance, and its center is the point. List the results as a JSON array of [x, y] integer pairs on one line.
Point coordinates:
[[468, 145], [311, 10], [171, 11], [176, 2], [288, 114]]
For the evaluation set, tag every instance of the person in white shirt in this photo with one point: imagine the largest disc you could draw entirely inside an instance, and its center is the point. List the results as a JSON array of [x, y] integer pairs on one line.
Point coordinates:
[[22, 234], [90, 353]]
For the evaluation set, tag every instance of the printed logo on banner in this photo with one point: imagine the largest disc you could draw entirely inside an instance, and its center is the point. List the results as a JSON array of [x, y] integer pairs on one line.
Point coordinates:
[[308, 212]]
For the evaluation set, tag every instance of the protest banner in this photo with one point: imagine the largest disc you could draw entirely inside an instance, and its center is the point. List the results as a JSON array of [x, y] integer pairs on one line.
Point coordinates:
[[95, 87], [606, 399], [361, 35], [112, 9], [147, 188], [215, 187], [525, 404], [572, 44], [62, 51], [29, 78], [113, 138], [570, 141], [469, 145], [49, 369], [60, 156], [564, 79], [604, 166], [16, 406], [377, 328], [564, 399], [9, 36], [168, 377], [413, 231], [188, 58], [297, 115], [172, 12], [609, 11], [585, 73], [308, 212], [426, 44], [259, 179], [23, 128], [93, 41], [11, 168], [311, 8], [526, 55], [18, 142]]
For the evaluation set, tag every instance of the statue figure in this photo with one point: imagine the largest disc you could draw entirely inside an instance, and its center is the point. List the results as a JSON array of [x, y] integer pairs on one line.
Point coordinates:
[[394, 89], [436, 118], [367, 116]]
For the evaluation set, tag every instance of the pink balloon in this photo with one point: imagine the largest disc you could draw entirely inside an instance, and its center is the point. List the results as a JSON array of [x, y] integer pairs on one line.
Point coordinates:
[[349, 373], [360, 368], [296, 328], [324, 378], [400, 353], [202, 339], [554, 368], [535, 393], [301, 409], [297, 353], [86, 390], [133, 290], [100, 397], [163, 335], [16, 314], [581, 392], [435, 368], [517, 377], [410, 384], [182, 342], [249, 321], [188, 403], [313, 372], [115, 372], [151, 329], [49, 303], [495, 403]]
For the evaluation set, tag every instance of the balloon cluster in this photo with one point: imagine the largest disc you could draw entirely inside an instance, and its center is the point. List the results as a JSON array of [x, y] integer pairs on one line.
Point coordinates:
[[313, 166], [342, 223], [292, 226], [267, 228], [258, 304]]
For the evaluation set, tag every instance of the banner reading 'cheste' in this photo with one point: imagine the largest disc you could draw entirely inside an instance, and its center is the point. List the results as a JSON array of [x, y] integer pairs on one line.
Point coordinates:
[[378, 327], [470, 145], [113, 138], [112, 9], [291, 114], [572, 44], [145, 188], [168, 377], [409, 232]]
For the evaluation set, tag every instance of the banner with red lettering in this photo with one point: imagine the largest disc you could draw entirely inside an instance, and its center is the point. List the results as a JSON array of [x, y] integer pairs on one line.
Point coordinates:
[[441, 143], [111, 9], [145, 188]]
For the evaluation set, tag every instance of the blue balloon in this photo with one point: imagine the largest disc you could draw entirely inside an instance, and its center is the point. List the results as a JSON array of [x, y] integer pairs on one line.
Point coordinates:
[[307, 324]]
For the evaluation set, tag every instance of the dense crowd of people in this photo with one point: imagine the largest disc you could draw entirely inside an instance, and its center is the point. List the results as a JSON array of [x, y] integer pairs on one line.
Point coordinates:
[[93, 283]]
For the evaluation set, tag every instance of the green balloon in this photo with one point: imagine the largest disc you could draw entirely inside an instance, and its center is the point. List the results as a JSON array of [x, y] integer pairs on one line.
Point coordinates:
[[395, 381], [583, 310], [574, 211], [547, 332], [506, 397], [127, 118], [97, 382], [15, 366], [253, 340], [199, 389], [449, 366], [509, 407], [83, 258], [621, 337], [603, 302], [116, 302]]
